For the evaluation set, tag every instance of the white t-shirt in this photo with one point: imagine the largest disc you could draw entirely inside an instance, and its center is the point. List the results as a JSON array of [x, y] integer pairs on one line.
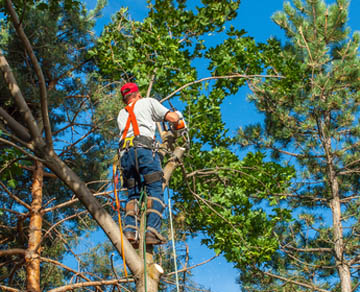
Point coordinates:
[[147, 111]]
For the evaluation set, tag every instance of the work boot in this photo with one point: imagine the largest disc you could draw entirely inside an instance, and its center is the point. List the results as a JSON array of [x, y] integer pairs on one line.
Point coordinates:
[[154, 239], [132, 238]]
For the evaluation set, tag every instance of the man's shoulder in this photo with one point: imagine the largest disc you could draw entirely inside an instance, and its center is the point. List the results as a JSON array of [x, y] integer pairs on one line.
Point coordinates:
[[148, 100], [122, 112]]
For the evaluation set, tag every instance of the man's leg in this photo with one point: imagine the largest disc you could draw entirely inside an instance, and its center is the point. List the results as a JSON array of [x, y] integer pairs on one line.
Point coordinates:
[[153, 176], [131, 220], [155, 208]]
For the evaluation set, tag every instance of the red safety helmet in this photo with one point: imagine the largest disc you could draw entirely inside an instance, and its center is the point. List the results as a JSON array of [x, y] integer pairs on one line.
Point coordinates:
[[128, 88]]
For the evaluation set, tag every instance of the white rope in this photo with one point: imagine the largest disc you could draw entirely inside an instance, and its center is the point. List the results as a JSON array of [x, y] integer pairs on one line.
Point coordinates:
[[173, 243]]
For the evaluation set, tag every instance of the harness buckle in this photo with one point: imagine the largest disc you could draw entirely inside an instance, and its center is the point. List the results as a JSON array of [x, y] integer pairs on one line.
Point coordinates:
[[128, 142]]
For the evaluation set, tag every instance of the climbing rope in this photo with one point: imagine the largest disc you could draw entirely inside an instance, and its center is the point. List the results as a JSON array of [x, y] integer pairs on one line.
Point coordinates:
[[115, 180], [173, 242]]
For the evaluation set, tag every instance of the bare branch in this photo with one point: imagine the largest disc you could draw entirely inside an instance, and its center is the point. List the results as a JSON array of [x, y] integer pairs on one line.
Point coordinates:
[[51, 261], [5, 288], [19, 98], [14, 125], [13, 251], [73, 201], [20, 149], [192, 267], [31, 168], [90, 284], [314, 288], [324, 249], [15, 198], [218, 77]]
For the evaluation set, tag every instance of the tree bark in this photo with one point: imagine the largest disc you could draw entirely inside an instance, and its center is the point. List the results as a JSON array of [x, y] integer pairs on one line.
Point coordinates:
[[32, 256], [342, 266], [335, 205]]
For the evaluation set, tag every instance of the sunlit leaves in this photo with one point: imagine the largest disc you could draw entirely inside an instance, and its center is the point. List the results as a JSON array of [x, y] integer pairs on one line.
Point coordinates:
[[229, 203]]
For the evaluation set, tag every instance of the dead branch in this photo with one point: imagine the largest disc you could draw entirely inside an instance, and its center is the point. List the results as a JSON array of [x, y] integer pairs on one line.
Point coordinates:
[[192, 267], [90, 284], [51, 261]]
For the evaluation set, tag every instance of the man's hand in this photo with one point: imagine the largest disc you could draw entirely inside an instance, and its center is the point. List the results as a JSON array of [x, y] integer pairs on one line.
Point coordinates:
[[180, 124]]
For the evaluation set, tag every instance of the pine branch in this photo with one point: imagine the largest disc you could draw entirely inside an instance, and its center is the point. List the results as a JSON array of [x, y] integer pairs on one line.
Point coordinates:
[[301, 284], [37, 68]]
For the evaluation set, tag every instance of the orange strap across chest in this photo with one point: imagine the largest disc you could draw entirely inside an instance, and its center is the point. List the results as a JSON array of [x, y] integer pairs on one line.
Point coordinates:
[[131, 119]]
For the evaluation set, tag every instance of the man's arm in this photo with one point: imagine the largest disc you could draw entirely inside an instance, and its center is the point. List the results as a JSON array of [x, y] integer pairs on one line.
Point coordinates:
[[172, 117]]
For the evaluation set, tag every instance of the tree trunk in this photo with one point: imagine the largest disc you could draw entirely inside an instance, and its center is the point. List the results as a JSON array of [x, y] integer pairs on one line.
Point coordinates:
[[150, 277], [153, 274], [342, 266], [32, 256], [341, 263]]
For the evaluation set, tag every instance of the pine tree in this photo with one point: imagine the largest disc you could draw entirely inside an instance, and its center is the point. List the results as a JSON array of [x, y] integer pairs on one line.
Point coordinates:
[[40, 221], [311, 122]]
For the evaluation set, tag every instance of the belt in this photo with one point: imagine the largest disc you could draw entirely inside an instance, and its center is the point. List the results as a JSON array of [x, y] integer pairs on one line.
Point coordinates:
[[136, 141]]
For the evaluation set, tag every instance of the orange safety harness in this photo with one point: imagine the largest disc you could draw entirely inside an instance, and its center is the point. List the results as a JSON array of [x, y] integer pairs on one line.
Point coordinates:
[[131, 119]]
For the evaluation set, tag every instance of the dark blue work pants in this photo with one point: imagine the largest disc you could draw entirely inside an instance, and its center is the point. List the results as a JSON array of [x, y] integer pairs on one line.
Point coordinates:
[[148, 162]]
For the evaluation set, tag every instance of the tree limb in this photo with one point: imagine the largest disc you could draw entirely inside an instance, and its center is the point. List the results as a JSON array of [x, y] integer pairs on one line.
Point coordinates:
[[15, 198], [5, 288], [89, 284], [4, 141], [14, 125], [19, 99], [314, 288], [13, 251], [217, 77]]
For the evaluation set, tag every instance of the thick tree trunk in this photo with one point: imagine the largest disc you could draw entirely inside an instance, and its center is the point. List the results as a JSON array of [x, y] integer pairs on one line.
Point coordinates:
[[32, 256], [150, 283]]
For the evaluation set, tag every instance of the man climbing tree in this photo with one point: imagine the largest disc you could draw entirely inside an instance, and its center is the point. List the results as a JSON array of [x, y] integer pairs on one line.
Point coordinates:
[[140, 162]]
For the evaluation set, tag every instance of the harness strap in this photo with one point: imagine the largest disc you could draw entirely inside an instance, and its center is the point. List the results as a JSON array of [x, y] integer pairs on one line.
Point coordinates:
[[132, 208], [131, 227], [157, 233], [148, 211], [153, 177], [129, 183], [150, 202], [131, 120]]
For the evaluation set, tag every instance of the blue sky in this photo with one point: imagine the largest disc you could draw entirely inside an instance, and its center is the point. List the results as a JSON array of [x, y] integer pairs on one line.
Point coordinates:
[[255, 17]]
